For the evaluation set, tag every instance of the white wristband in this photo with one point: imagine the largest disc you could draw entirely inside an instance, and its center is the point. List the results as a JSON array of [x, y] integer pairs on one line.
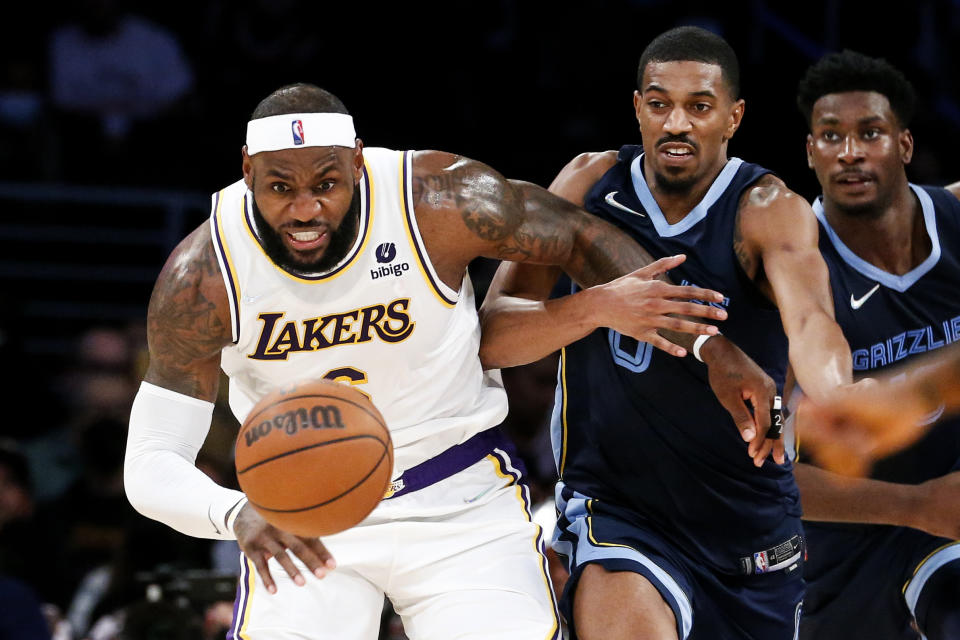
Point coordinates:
[[698, 343]]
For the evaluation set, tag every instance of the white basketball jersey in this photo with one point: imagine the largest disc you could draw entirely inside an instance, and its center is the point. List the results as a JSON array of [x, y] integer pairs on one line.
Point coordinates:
[[380, 319]]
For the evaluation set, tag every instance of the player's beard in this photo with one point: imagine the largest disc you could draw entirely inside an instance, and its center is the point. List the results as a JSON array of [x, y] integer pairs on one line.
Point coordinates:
[[341, 239], [671, 185], [675, 185]]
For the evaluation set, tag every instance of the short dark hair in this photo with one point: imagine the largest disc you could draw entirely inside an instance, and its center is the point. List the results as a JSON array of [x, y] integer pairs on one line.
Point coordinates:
[[852, 71], [298, 98], [695, 44]]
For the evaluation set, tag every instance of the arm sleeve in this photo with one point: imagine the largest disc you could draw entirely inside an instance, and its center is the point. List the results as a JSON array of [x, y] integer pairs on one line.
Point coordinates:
[[160, 475]]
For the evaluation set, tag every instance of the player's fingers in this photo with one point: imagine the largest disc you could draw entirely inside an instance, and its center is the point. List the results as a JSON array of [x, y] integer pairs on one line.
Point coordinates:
[[684, 326], [691, 309], [659, 267], [741, 416], [763, 451], [779, 451], [683, 295], [263, 569], [663, 344], [314, 554], [286, 562]]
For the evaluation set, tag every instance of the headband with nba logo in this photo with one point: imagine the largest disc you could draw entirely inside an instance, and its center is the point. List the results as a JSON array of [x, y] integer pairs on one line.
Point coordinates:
[[296, 130]]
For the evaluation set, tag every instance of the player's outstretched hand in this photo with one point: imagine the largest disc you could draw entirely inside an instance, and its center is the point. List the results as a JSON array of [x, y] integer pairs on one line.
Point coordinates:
[[747, 393], [260, 541], [639, 304], [859, 424]]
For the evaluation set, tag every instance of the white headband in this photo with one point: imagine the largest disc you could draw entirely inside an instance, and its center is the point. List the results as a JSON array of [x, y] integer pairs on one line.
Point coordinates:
[[296, 130]]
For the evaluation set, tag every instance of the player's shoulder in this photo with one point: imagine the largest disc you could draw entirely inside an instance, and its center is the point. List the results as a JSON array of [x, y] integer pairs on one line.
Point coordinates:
[[954, 189], [769, 193], [191, 283], [590, 164], [580, 174]]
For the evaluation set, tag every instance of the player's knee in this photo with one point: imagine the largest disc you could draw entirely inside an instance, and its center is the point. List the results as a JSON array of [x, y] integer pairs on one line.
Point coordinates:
[[620, 605], [938, 607]]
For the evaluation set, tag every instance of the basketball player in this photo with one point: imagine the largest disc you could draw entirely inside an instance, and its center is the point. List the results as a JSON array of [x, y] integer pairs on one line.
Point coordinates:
[[670, 531], [893, 251], [331, 260]]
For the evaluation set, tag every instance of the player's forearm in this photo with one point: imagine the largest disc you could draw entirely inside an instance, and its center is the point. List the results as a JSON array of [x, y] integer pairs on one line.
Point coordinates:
[[829, 497], [517, 331], [936, 383], [820, 355], [589, 250], [160, 477]]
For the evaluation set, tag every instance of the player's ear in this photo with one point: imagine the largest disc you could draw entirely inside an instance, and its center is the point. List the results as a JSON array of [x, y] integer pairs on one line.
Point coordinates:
[[637, 102], [905, 142], [247, 168], [357, 161], [736, 116], [810, 150]]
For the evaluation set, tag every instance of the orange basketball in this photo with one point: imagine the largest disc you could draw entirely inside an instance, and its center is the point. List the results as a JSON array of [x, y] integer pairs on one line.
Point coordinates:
[[314, 459]]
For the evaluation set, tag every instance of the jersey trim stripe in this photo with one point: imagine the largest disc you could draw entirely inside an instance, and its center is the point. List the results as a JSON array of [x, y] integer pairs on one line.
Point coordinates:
[[503, 468], [241, 610], [887, 279], [444, 293], [226, 267], [698, 213], [559, 419], [366, 214], [926, 568]]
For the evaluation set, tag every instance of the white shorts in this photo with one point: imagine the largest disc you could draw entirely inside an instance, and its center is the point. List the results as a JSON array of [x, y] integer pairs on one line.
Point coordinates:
[[459, 559]]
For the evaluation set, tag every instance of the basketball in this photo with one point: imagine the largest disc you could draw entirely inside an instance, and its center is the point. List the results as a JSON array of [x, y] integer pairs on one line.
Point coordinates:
[[314, 459]]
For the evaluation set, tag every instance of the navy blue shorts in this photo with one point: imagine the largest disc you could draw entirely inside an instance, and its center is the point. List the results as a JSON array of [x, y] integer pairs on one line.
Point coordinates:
[[875, 571], [707, 605]]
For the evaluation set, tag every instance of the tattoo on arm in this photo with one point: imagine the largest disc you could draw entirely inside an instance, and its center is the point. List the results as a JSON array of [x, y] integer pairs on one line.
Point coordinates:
[[186, 324]]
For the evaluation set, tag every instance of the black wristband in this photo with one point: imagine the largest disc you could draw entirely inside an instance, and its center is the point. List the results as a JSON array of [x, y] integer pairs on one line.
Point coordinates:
[[776, 419]]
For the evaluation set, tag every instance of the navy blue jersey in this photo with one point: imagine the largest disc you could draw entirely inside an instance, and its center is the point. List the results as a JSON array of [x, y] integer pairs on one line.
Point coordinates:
[[889, 320], [642, 429]]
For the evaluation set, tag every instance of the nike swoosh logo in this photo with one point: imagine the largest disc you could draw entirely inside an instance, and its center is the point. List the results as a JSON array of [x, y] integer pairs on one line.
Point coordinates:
[[613, 203], [210, 518], [252, 299], [856, 303]]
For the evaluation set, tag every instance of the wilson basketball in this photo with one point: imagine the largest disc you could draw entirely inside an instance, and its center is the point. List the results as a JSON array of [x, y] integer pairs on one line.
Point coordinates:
[[314, 459]]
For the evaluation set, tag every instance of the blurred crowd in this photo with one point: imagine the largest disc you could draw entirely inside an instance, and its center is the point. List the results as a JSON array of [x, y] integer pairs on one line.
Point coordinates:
[[102, 92]]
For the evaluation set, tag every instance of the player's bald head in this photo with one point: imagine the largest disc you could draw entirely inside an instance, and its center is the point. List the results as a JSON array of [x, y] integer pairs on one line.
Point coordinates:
[[298, 98]]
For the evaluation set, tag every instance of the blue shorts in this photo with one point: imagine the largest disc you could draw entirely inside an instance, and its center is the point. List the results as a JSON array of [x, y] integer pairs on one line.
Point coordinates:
[[863, 568], [707, 605]]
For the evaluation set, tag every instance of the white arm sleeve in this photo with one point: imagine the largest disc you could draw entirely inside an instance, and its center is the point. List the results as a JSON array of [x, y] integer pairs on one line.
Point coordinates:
[[160, 475]]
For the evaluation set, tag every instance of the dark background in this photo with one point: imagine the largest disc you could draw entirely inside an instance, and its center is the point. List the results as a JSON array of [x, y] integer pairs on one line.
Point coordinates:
[[97, 185]]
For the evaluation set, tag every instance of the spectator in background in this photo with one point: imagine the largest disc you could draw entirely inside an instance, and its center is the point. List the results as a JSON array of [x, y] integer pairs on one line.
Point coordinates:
[[117, 69]]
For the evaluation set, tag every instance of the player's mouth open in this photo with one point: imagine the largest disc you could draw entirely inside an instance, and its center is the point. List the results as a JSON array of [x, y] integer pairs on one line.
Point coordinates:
[[676, 152], [307, 240]]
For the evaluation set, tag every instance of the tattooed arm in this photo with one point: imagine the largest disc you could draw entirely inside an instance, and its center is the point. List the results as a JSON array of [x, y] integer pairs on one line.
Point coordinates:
[[465, 209], [188, 323]]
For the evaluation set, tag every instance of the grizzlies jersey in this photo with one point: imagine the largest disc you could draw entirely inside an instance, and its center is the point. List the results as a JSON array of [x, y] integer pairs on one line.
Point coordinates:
[[381, 319], [889, 320], [642, 429]]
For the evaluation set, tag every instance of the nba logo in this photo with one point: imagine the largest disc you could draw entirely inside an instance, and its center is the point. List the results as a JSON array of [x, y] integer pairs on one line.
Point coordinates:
[[761, 562], [297, 127]]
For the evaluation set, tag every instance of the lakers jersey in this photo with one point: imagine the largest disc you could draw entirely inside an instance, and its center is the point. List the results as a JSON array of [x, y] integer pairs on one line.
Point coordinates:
[[381, 319]]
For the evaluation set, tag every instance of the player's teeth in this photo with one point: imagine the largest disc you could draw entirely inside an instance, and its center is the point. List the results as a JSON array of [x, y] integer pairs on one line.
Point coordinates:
[[305, 236]]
